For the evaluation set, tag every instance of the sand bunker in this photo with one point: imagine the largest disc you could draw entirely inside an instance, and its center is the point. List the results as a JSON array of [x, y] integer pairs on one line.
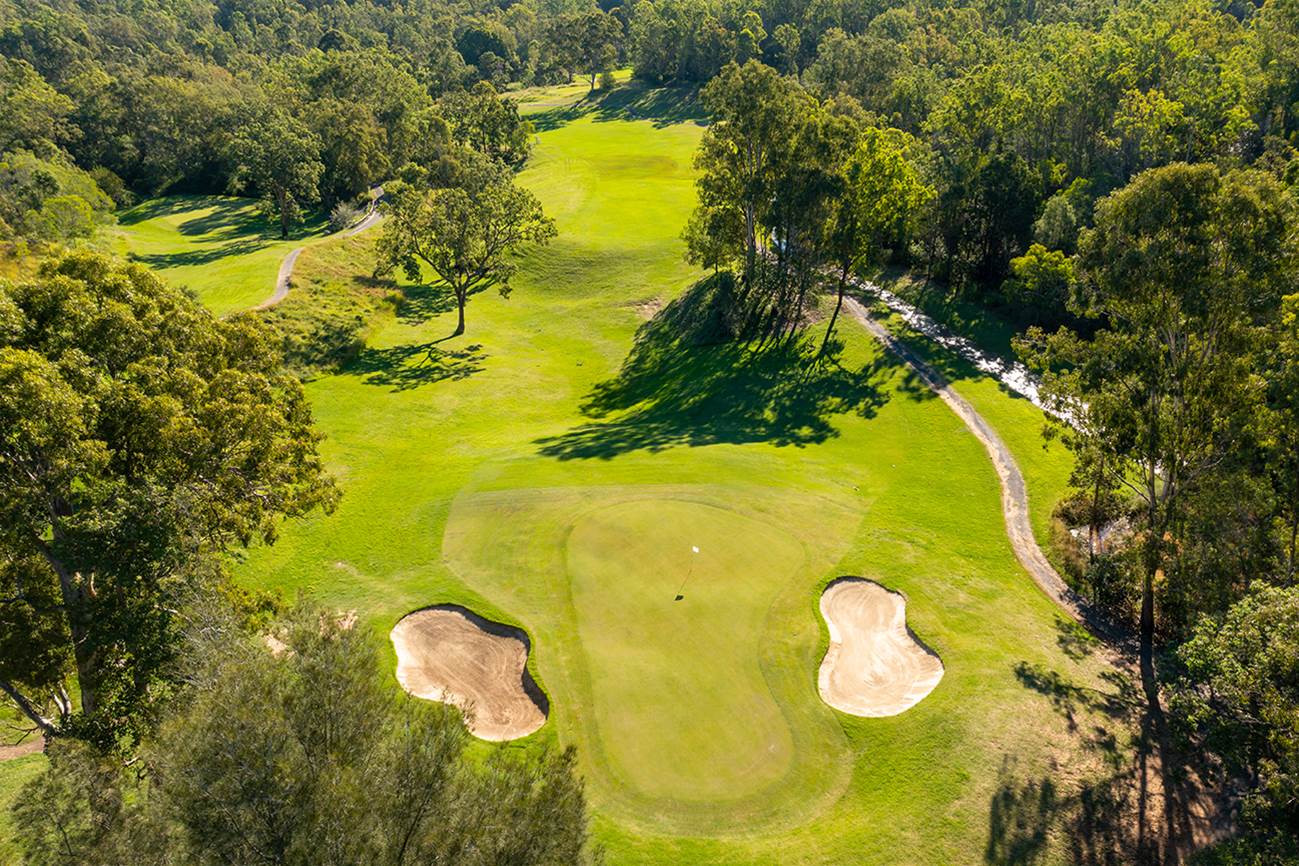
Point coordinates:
[[447, 653], [874, 666]]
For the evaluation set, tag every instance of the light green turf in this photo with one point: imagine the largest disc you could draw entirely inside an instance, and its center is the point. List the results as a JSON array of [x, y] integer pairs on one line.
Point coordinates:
[[13, 775], [472, 475], [219, 247]]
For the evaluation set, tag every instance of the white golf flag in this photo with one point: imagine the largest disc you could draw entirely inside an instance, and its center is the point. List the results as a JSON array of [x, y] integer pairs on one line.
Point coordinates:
[[695, 549]]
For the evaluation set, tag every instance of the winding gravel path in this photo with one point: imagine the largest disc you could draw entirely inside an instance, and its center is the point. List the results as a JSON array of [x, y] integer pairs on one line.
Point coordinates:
[[1014, 492], [371, 217]]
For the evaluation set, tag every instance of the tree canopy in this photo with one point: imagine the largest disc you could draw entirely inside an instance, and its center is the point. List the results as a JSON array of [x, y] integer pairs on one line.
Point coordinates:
[[138, 436]]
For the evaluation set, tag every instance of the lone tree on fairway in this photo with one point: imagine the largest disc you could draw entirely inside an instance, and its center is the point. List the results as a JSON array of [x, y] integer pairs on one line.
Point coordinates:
[[597, 34], [138, 437], [465, 234]]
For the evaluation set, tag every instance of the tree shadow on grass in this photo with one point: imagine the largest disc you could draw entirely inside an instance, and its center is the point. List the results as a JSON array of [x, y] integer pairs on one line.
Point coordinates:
[[419, 303], [663, 106], [403, 368], [1100, 820], [199, 257], [1115, 812], [686, 383]]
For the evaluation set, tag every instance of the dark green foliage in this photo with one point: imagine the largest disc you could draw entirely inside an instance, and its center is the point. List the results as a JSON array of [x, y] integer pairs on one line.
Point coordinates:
[[138, 437], [1239, 699], [303, 755]]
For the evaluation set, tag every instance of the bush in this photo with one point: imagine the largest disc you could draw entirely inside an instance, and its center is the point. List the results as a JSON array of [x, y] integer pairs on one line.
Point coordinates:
[[303, 756], [607, 81], [344, 215]]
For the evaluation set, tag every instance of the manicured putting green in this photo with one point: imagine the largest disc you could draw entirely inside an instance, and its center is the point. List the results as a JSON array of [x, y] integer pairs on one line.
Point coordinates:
[[690, 667], [219, 247]]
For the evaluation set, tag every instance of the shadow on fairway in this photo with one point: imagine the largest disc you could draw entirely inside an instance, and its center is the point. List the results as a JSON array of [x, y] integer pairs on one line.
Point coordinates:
[[680, 385], [419, 303], [199, 257], [664, 106], [403, 368], [1118, 813]]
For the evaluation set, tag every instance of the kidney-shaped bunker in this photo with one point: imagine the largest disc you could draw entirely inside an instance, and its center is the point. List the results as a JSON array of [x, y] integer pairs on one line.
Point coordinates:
[[874, 666], [448, 653]]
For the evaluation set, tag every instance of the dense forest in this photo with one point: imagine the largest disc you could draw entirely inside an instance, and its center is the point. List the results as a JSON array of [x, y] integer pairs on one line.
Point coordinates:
[[1116, 179]]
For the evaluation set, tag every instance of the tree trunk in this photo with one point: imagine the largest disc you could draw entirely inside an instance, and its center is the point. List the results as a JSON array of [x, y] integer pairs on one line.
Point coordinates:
[[281, 200], [74, 597], [29, 710], [460, 309], [1094, 531], [838, 304]]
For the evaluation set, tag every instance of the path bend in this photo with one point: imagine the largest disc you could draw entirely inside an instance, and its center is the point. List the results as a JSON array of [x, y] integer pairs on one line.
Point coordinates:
[[282, 278], [1014, 491]]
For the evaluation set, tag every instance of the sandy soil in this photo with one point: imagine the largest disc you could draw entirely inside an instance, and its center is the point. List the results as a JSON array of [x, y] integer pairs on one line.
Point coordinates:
[[447, 653], [875, 666]]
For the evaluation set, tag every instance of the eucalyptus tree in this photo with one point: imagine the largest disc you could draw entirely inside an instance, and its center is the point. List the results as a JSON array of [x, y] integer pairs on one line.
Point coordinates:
[[466, 234], [881, 197], [757, 115], [1183, 270], [139, 436], [277, 156]]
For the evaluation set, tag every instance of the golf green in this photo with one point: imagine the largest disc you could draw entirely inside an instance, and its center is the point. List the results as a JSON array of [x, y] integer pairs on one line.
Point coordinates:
[[555, 466]]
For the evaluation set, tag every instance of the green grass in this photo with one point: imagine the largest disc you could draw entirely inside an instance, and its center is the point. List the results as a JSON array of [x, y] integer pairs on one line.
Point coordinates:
[[13, 775], [220, 248], [552, 467]]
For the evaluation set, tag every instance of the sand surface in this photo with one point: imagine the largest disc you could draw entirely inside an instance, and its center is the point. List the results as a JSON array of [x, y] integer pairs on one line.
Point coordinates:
[[447, 653], [874, 666]]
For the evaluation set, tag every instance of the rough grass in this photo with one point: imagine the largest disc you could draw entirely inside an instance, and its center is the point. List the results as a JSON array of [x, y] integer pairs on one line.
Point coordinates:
[[221, 248]]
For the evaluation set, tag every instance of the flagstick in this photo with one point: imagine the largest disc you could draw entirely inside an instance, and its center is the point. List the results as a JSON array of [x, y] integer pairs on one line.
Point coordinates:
[[691, 570]]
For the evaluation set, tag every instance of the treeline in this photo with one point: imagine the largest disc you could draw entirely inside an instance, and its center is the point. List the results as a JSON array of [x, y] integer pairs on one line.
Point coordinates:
[[303, 106], [1027, 112]]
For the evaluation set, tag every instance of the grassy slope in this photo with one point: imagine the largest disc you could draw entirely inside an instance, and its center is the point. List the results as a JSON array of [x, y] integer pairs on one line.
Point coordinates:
[[221, 248], [472, 475], [13, 775]]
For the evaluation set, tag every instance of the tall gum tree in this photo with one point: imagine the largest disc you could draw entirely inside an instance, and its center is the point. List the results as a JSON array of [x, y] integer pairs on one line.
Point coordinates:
[[139, 437], [466, 234]]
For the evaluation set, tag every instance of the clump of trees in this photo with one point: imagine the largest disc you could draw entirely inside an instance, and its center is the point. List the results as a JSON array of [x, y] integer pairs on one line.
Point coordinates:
[[298, 107], [1178, 403], [301, 756], [141, 438], [793, 191]]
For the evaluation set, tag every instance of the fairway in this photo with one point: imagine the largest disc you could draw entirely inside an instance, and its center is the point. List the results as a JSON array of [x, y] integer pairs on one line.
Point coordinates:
[[554, 468], [219, 247]]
